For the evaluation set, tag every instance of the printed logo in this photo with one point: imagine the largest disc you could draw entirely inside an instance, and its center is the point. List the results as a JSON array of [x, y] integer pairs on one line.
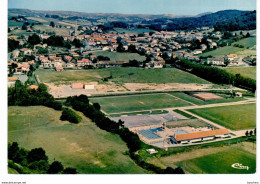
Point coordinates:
[[239, 166]]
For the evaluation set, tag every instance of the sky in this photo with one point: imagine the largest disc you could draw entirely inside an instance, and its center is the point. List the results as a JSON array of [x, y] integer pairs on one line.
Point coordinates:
[[178, 7]]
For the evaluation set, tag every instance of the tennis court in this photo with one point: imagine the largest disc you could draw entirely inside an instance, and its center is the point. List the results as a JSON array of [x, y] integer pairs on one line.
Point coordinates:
[[150, 133]]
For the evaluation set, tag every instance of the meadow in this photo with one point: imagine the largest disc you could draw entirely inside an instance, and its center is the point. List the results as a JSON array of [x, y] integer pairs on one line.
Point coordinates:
[[249, 72], [119, 56], [246, 51], [235, 117], [120, 104], [83, 146], [120, 75]]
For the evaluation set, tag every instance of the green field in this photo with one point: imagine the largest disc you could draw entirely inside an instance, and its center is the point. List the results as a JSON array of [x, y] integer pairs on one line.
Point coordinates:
[[84, 146], [47, 28], [197, 101], [222, 51], [249, 72], [130, 103], [160, 75], [235, 117], [247, 42], [121, 30], [121, 75], [119, 56], [220, 163], [67, 76]]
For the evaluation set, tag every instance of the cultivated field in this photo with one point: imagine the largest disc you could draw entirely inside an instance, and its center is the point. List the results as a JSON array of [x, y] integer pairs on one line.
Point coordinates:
[[235, 117], [117, 56], [130, 103], [84, 146], [249, 72]]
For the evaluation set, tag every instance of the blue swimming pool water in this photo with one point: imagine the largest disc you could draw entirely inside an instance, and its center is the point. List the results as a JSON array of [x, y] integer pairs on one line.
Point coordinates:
[[149, 133]]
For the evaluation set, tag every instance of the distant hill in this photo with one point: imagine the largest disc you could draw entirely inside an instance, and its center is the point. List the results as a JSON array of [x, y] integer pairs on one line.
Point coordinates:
[[245, 21], [208, 20]]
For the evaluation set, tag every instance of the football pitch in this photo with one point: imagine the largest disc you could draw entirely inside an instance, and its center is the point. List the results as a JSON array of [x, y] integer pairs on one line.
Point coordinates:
[[235, 117], [129, 103]]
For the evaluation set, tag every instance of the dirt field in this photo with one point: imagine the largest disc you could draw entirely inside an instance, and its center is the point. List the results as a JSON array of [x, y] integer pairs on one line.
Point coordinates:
[[65, 90]]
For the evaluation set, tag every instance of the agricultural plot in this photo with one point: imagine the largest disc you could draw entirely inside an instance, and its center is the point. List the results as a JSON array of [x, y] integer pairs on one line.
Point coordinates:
[[221, 163], [249, 72], [84, 146], [117, 56], [235, 117], [120, 104]]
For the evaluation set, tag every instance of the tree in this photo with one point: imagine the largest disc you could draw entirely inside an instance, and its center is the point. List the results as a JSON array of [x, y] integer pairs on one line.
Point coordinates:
[[9, 30], [246, 133], [251, 133], [97, 106], [255, 131], [36, 154], [24, 27], [70, 170], [52, 24], [121, 123], [247, 34], [69, 115], [55, 168], [34, 39]]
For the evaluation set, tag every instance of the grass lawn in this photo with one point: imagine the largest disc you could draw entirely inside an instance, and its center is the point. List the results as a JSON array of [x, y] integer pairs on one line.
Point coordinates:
[[235, 117], [249, 72], [121, 75], [201, 102], [84, 146], [247, 42], [141, 112], [220, 163], [119, 56], [137, 102]]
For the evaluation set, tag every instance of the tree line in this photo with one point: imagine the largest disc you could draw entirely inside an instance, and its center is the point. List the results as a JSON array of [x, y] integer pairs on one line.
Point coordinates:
[[36, 160], [215, 75]]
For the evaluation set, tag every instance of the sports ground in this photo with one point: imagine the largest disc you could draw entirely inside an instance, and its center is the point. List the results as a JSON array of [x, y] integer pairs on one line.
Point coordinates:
[[120, 104]]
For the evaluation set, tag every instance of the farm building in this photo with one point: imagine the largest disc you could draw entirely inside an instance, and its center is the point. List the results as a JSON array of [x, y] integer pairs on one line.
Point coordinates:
[[199, 136]]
